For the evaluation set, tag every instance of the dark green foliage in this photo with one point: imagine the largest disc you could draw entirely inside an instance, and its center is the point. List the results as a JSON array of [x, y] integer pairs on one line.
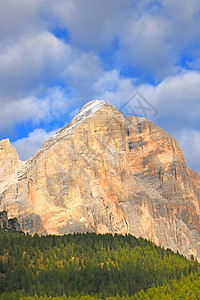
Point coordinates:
[[88, 264]]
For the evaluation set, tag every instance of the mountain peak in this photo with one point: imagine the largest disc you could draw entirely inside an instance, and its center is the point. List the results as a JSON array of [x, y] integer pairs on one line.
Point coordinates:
[[7, 151], [5, 143], [105, 173], [92, 106], [86, 111]]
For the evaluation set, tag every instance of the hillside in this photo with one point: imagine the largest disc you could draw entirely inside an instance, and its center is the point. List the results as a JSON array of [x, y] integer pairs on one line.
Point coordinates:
[[89, 264]]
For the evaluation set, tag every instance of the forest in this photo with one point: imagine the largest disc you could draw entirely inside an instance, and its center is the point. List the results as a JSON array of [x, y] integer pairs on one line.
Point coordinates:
[[90, 267]]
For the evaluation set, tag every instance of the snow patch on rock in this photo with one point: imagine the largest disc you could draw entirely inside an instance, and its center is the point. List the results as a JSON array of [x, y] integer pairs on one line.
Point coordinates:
[[86, 111]]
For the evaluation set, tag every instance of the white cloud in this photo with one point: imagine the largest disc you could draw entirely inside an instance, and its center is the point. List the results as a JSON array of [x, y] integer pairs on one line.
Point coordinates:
[[26, 109], [19, 18], [190, 141], [178, 100], [152, 35], [54, 104], [28, 68], [31, 62], [144, 46], [92, 25], [113, 88], [184, 26], [28, 146], [34, 62]]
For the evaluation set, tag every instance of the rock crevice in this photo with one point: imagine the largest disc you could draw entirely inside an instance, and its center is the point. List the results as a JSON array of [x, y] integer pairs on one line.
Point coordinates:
[[105, 173]]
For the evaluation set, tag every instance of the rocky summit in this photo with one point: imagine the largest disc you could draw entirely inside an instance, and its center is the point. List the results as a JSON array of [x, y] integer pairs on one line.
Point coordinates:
[[104, 173]]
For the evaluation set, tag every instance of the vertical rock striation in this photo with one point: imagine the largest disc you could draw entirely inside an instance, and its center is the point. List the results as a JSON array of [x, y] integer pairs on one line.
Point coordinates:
[[105, 173]]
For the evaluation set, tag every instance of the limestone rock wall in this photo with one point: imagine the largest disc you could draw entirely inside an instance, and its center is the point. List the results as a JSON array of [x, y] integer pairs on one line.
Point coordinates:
[[105, 173], [8, 224]]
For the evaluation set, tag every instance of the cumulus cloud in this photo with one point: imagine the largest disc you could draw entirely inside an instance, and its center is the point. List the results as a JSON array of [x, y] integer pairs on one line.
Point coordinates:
[[28, 71], [54, 104], [93, 25], [157, 37], [174, 98], [26, 109], [28, 146], [43, 76], [190, 141], [183, 27], [19, 18], [144, 46], [152, 36], [114, 88], [31, 62], [178, 99]]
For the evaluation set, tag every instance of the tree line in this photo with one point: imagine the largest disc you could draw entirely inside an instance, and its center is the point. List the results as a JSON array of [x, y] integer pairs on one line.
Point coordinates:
[[90, 266]]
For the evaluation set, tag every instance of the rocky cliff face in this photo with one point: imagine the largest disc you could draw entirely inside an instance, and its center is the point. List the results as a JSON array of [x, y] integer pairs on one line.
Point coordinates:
[[105, 173], [8, 224]]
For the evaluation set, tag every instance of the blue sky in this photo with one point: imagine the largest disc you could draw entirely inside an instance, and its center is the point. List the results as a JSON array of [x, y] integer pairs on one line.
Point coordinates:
[[57, 55]]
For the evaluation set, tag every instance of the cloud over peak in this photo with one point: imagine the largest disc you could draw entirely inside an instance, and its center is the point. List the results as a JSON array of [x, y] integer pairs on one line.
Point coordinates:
[[57, 55]]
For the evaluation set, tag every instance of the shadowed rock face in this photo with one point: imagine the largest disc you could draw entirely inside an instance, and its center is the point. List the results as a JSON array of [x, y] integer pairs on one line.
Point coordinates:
[[8, 224], [104, 173]]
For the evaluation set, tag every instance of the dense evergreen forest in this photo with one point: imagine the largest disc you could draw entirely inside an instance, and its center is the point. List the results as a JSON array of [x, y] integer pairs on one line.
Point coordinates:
[[90, 266]]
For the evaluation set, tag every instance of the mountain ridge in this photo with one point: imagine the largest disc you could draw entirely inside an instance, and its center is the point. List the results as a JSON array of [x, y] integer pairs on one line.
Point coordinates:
[[105, 173]]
